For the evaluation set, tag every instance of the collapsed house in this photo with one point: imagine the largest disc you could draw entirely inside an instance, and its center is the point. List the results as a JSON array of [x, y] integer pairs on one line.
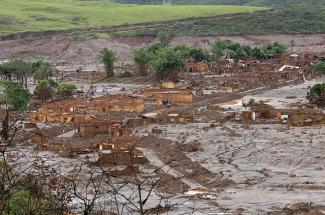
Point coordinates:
[[121, 157], [120, 151], [83, 110], [172, 96], [260, 111], [196, 67], [306, 117]]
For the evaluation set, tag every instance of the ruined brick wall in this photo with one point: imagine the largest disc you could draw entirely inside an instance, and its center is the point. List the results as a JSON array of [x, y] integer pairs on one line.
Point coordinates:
[[120, 132], [119, 157]]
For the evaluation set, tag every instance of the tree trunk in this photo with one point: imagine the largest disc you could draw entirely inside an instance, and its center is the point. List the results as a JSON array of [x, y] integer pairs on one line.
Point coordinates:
[[5, 127], [26, 80], [140, 199], [110, 72], [143, 70]]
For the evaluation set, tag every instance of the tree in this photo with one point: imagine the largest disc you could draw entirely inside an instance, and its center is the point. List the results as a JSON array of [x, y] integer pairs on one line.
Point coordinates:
[[45, 89], [13, 97], [17, 69], [164, 39], [42, 70], [217, 49], [67, 89], [247, 49], [142, 57], [166, 64], [108, 57], [89, 190], [258, 54], [274, 49], [199, 55], [183, 51], [319, 68], [155, 48]]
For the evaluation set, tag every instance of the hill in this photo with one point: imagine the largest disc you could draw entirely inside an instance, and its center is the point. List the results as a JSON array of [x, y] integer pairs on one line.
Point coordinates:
[[42, 15], [291, 20], [272, 3]]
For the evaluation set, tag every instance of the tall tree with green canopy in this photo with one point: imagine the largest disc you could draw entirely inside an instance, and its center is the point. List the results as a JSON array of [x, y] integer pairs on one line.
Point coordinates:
[[16, 69], [217, 49], [142, 57], [166, 64], [12, 97], [45, 89], [42, 70], [199, 55], [183, 51], [108, 58]]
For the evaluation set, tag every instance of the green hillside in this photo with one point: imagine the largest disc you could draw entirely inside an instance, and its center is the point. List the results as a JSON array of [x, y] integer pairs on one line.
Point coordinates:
[[272, 3], [41, 15], [288, 21]]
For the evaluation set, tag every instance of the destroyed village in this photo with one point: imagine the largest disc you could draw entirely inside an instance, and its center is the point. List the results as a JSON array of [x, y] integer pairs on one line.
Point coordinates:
[[169, 107]]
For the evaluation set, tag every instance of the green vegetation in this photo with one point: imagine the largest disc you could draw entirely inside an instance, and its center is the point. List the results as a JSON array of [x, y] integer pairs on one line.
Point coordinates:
[[42, 15], [13, 97], [287, 20], [273, 3], [166, 63], [319, 68], [67, 89], [229, 49], [45, 89], [25, 202], [317, 94], [42, 70], [16, 70], [166, 59], [142, 57], [198, 55], [108, 57]]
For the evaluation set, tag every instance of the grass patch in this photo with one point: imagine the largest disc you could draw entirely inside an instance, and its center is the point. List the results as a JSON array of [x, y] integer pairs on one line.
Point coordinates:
[[290, 20], [42, 15]]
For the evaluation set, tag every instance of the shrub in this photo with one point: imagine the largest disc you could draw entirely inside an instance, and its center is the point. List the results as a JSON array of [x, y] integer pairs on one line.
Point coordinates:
[[319, 68]]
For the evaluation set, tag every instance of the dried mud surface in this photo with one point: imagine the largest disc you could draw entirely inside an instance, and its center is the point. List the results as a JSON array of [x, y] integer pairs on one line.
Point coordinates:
[[74, 54]]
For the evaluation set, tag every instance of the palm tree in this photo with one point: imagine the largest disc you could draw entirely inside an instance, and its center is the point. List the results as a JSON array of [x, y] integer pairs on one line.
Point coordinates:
[[108, 57]]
